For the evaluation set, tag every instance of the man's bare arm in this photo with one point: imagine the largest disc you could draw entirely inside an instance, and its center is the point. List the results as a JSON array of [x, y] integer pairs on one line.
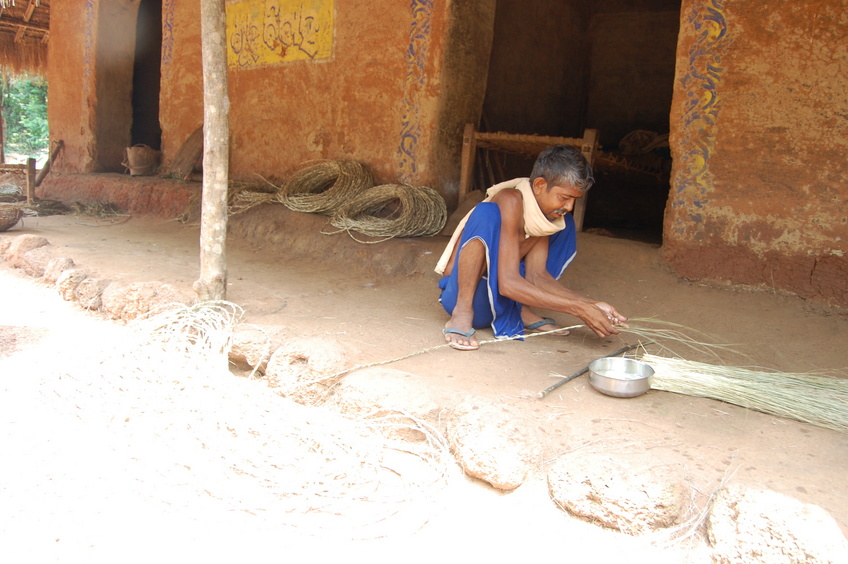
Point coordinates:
[[540, 289]]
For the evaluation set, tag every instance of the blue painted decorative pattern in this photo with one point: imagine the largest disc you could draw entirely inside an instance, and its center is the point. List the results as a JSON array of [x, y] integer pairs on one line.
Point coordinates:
[[701, 83], [413, 87], [167, 38], [88, 51]]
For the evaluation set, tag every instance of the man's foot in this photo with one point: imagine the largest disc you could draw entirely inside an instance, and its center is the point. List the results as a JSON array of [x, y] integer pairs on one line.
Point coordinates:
[[536, 324], [459, 331], [461, 340]]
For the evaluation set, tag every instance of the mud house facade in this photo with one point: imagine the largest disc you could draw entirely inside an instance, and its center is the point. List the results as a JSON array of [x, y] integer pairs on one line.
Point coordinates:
[[753, 96]]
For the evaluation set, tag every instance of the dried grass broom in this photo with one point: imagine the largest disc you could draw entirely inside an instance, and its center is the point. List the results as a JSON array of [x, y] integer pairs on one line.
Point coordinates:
[[808, 397]]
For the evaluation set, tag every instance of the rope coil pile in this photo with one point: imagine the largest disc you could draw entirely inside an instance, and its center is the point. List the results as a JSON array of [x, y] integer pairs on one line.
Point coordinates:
[[344, 190], [420, 211], [325, 186]]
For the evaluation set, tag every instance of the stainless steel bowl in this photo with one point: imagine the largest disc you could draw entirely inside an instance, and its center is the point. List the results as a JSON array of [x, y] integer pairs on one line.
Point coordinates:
[[620, 377]]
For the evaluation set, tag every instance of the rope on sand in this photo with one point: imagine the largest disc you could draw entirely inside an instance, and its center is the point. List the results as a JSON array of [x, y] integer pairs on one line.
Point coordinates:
[[638, 327], [437, 347]]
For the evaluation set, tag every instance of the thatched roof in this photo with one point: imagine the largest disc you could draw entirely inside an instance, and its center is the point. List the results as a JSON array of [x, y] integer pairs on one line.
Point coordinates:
[[24, 32]]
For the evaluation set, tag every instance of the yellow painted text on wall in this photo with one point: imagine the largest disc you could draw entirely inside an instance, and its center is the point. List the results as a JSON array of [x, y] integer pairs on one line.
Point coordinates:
[[266, 32]]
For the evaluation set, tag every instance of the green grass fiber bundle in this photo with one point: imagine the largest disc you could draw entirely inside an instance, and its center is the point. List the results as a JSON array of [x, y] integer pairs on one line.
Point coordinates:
[[811, 398]]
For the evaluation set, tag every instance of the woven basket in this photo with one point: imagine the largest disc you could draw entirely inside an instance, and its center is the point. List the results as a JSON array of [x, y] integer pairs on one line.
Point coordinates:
[[9, 216], [141, 160]]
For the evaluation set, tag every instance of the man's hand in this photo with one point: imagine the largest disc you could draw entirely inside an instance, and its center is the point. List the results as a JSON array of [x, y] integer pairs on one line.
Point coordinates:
[[603, 319]]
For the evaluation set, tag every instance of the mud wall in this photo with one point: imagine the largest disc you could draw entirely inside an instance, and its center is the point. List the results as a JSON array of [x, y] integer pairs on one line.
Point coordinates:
[[759, 136], [387, 83], [70, 110], [90, 59], [374, 87]]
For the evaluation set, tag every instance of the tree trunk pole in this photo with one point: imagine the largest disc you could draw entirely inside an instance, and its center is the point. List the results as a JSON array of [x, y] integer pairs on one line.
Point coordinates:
[[212, 284]]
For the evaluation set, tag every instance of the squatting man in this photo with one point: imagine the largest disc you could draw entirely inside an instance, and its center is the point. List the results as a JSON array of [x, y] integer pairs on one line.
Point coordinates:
[[507, 255]]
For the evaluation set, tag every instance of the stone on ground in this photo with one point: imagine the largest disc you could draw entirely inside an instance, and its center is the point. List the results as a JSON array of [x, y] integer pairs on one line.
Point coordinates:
[[631, 495], [493, 442], [251, 348], [55, 267], [34, 262], [404, 401], [303, 369], [21, 245], [763, 526], [88, 293], [68, 281], [369, 389], [126, 302]]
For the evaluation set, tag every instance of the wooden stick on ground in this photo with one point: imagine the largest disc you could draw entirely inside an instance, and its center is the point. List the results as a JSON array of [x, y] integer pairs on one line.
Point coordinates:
[[622, 350]]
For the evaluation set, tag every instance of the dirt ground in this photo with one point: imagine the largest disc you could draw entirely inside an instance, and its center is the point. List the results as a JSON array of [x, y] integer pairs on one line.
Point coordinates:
[[378, 317]]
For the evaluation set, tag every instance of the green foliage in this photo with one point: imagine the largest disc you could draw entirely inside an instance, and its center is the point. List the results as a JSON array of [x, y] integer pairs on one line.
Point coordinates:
[[24, 105]]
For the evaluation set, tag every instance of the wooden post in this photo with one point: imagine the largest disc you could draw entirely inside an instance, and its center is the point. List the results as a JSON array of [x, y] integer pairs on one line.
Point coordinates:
[[30, 178], [2, 138], [588, 148], [212, 284], [469, 152]]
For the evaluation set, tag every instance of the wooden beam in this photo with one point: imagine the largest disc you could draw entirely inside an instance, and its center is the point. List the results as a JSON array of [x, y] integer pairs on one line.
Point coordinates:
[[46, 168], [7, 3], [29, 10], [6, 22], [19, 35]]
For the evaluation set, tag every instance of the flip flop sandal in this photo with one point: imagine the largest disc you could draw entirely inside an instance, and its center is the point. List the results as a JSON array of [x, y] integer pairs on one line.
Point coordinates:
[[541, 323], [458, 346], [534, 327]]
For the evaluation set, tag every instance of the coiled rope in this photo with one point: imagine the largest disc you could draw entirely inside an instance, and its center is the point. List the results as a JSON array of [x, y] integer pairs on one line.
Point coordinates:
[[325, 186], [344, 190], [393, 210]]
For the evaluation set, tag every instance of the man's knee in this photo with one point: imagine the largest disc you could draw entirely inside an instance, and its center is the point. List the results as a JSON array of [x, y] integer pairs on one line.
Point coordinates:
[[473, 255]]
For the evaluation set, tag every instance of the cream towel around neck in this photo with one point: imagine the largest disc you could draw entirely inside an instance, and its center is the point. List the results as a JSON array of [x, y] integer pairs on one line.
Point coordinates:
[[535, 222]]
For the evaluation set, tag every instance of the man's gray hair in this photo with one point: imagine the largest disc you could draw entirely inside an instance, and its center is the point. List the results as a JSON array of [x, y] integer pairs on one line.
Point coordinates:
[[563, 164]]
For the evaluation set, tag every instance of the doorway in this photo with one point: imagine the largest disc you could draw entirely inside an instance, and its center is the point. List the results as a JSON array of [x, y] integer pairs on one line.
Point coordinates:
[[147, 75], [558, 68]]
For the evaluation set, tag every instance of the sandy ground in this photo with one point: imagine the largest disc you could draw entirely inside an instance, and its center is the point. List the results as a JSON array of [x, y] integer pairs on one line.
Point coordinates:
[[93, 512]]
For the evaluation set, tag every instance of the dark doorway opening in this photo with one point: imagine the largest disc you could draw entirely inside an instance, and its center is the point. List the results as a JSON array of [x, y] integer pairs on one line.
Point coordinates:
[[147, 75], [558, 68]]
